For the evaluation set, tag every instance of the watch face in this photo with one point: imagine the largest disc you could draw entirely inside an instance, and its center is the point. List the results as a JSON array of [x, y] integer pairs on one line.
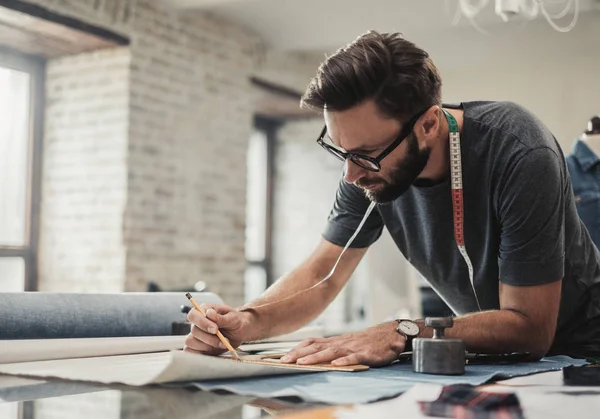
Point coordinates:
[[408, 328]]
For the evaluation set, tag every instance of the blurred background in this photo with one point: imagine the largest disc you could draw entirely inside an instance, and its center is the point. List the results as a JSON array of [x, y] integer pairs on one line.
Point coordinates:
[[159, 145]]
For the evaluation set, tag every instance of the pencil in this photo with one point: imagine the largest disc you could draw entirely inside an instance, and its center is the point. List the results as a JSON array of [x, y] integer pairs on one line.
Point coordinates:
[[219, 334]]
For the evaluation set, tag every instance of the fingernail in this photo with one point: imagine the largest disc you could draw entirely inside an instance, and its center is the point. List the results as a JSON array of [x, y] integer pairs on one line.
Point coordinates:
[[301, 361], [286, 358], [212, 330]]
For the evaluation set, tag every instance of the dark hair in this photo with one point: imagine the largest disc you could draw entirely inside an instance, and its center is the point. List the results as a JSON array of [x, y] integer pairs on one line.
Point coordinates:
[[399, 76]]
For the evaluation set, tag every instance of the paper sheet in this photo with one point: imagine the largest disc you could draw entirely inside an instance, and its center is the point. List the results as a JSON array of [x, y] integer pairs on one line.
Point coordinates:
[[47, 349], [151, 368]]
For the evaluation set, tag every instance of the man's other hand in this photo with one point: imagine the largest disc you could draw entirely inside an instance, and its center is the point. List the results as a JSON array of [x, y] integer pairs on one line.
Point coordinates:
[[376, 346]]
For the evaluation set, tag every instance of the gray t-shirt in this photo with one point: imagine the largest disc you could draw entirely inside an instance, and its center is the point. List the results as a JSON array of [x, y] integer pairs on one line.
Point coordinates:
[[521, 225]]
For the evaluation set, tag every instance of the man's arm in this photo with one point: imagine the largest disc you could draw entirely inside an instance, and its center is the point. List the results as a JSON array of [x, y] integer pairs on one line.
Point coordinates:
[[526, 322], [262, 322], [295, 312]]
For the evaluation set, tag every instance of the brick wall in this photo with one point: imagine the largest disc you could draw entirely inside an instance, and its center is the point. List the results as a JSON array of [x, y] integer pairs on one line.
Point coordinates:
[[84, 187], [187, 152], [144, 176], [180, 156]]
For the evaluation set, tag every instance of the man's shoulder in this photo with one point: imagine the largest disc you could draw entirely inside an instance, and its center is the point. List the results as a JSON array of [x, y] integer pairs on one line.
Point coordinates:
[[505, 120], [504, 115]]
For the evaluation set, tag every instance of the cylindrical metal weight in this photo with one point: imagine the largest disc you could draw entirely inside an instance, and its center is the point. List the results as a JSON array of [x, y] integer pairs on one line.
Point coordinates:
[[438, 356]]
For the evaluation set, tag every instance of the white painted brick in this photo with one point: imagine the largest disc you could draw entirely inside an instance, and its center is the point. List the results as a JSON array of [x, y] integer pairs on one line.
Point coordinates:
[[145, 150], [84, 174]]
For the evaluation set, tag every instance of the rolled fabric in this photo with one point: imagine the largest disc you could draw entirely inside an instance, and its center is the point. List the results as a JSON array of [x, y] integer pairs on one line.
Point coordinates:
[[44, 315]]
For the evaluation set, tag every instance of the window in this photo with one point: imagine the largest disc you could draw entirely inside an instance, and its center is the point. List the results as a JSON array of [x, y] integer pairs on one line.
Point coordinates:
[[258, 208], [21, 87]]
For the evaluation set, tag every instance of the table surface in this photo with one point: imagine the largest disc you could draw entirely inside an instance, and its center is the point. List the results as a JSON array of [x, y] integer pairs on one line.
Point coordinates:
[[24, 398], [542, 396]]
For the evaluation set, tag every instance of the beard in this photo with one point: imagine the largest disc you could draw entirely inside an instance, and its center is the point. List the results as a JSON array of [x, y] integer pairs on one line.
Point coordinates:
[[402, 177]]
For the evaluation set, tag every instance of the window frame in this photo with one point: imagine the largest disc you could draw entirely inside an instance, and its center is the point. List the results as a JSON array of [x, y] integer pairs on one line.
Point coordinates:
[[36, 68], [269, 127]]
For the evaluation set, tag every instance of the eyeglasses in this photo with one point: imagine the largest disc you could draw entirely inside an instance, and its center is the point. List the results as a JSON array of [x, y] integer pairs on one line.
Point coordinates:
[[367, 162]]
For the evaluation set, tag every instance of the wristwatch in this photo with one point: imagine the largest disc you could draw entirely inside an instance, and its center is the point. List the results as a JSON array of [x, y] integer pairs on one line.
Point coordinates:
[[409, 330]]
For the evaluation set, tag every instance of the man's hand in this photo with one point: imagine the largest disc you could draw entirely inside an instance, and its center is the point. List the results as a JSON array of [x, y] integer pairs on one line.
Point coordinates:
[[376, 346], [203, 339]]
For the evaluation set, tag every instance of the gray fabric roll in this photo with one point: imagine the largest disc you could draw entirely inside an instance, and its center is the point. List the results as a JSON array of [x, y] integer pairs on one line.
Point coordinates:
[[40, 315]]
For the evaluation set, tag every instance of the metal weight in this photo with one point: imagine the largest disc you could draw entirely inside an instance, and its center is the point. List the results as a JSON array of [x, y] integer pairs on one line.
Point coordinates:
[[438, 355]]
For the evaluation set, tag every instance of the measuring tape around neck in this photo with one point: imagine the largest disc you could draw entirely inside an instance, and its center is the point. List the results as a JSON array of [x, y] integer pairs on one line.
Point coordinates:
[[458, 209]]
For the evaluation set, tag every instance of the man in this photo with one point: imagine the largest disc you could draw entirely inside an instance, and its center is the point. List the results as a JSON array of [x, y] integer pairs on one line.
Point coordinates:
[[536, 273]]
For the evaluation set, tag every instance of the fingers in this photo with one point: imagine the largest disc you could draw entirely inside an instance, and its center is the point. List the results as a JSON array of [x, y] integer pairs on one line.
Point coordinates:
[[212, 352], [204, 324], [352, 359], [309, 342], [324, 356], [304, 349], [199, 341], [229, 320], [217, 316], [207, 338]]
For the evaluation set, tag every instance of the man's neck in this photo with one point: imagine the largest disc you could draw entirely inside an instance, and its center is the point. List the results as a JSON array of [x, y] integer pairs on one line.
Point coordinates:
[[593, 142], [438, 166]]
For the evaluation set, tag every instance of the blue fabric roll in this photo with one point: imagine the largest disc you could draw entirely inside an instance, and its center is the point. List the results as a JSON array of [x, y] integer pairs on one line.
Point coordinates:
[[41, 315]]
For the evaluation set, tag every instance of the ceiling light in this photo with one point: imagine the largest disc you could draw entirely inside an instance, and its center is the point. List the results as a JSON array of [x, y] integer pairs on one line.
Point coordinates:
[[507, 10]]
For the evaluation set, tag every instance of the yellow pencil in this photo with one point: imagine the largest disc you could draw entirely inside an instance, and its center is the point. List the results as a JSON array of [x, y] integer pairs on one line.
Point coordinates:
[[219, 334]]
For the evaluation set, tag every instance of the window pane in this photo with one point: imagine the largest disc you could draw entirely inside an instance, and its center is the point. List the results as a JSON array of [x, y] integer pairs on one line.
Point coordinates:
[[12, 274], [9, 410], [256, 197], [255, 282], [14, 144]]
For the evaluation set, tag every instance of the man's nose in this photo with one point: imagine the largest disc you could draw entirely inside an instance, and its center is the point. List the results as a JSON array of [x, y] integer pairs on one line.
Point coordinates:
[[352, 172]]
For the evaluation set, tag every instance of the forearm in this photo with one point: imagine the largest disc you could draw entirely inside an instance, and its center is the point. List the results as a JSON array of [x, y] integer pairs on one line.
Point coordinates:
[[497, 331], [283, 316], [287, 316]]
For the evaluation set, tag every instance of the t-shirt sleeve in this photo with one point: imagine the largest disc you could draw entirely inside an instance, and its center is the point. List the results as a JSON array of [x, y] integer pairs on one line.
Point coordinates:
[[348, 211], [531, 216]]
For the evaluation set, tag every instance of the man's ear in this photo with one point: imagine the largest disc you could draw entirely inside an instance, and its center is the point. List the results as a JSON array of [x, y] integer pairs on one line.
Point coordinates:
[[430, 123], [431, 120]]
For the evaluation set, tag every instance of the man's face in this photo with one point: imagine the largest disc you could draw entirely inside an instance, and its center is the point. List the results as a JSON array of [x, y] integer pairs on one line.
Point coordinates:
[[364, 130]]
